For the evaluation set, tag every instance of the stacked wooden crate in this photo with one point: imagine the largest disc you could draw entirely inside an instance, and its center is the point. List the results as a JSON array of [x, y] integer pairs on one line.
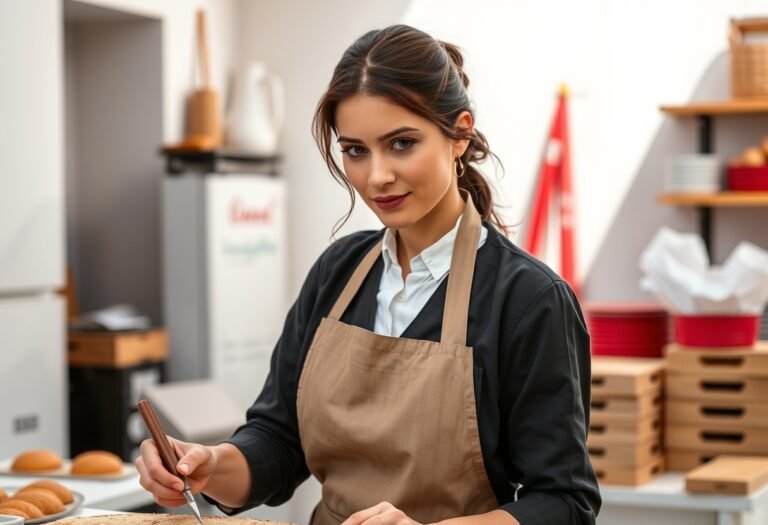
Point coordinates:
[[717, 403], [625, 430]]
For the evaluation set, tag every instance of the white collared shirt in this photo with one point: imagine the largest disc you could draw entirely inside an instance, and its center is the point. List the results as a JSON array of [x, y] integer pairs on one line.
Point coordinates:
[[398, 302]]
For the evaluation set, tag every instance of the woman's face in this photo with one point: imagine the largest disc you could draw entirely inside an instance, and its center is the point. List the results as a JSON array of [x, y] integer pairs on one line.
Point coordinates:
[[399, 163]]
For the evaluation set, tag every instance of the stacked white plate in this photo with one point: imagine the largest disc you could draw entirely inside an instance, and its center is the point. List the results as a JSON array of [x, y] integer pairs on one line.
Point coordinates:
[[694, 173]]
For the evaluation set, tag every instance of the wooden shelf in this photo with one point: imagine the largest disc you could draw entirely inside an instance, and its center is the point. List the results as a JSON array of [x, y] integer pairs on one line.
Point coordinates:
[[723, 199], [727, 107]]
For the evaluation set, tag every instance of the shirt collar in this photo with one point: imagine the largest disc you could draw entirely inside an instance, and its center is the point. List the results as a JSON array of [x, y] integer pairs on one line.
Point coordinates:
[[437, 257]]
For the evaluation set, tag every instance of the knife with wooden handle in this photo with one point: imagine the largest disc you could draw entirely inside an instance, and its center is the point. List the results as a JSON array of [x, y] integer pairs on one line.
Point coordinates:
[[167, 452]]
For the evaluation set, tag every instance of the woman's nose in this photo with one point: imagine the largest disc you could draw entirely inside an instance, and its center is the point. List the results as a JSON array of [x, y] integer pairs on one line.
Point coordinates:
[[381, 172]]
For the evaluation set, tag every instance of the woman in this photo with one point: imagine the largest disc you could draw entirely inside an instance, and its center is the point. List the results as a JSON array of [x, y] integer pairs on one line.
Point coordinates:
[[430, 371]]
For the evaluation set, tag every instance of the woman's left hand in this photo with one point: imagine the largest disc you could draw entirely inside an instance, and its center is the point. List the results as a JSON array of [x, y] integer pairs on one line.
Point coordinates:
[[382, 514]]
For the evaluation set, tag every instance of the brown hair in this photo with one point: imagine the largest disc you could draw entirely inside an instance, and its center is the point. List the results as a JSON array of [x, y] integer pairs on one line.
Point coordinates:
[[425, 76]]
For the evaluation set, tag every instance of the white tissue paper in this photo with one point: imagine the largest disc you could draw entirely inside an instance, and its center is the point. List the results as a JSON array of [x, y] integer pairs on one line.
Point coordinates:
[[677, 272], [117, 317]]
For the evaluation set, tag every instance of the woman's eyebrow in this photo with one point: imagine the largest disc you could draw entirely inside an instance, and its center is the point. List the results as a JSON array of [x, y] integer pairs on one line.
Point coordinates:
[[382, 138]]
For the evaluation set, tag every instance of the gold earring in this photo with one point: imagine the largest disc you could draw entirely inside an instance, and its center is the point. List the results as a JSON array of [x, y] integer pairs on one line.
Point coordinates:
[[461, 167]]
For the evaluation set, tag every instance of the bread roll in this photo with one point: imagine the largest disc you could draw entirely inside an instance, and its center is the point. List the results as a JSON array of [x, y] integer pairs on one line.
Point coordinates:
[[62, 492], [15, 512], [753, 157], [43, 499], [26, 507], [3, 496], [36, 461], [97, 462]]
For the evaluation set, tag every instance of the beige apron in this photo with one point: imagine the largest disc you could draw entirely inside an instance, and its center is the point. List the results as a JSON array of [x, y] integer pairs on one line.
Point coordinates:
[[394, 419]]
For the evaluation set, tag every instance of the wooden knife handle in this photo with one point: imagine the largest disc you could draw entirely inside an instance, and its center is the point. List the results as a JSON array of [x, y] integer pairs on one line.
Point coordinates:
[[167, 452]]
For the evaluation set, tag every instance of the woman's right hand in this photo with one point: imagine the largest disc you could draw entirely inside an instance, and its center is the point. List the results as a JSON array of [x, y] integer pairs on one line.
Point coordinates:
[[197, 463]]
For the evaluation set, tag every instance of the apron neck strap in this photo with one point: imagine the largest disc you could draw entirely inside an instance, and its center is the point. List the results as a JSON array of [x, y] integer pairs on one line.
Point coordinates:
[[456, 310], [355, 282]]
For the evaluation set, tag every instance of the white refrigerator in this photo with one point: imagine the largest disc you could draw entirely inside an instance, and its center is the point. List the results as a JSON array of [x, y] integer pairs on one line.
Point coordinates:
[[224, 278], [33, 394]]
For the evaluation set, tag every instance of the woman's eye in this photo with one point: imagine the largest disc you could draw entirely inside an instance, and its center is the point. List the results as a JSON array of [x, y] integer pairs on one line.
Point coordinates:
[[403, 144], [352, 151]]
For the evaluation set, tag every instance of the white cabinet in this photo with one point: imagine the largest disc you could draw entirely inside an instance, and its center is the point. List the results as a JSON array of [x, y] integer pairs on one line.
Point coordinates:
[[31, 147], [33, 400], [32, 382]]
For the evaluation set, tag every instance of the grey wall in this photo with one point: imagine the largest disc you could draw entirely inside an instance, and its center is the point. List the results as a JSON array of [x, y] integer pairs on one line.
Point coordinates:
[[114, 129]]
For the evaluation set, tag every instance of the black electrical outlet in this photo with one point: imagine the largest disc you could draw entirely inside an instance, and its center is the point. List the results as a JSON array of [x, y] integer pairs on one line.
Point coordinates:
[[24, 424]]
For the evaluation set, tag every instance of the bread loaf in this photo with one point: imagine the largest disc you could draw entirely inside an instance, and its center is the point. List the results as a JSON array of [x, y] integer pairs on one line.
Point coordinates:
[[43, 499], [36, 461], [24, 506], [14, 512], [96, 462], [62, 492]]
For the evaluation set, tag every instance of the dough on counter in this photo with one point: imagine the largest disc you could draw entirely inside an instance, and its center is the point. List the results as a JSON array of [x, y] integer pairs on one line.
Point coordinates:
[[24, 506], [163, 519], [36, 460], [97, 462], [62, 492], [43, 499]]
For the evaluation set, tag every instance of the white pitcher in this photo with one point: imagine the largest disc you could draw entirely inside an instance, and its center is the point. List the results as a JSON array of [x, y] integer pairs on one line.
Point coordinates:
[[255, 113]]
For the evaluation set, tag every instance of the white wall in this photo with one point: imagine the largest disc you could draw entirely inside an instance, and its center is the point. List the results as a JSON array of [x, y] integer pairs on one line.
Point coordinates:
[[621, 60], [302, 41], [180, 50]]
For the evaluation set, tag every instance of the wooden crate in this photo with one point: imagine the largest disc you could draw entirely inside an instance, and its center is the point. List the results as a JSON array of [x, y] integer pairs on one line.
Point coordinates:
[[726, 413], [746, 362], [738, 475], [626, 376], [683, 460], [725, 439], [630, 476], [624, 456], [637, 430], [117, 349], [647, 405], [717, 388], [610, 416]]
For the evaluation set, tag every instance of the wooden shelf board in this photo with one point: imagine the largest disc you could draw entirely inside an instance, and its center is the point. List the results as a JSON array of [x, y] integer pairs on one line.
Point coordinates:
[[722, 199], [726, 107]]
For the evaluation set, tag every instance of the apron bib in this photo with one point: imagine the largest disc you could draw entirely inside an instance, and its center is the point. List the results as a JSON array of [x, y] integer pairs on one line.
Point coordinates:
[[393, 419]]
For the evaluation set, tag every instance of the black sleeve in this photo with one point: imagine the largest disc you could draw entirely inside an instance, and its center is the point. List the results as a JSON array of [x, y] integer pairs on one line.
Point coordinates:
[[269, 439], [545, 409]]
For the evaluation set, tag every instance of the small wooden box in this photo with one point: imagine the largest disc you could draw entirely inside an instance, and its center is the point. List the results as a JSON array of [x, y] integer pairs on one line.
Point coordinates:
[[717, 388], [630, 476], [624, 456], [706, 438], [117, 349], [729, 475], [683, 460], [745, 362], [626, 376], [647, 405], [636, 431], [722, 413]]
